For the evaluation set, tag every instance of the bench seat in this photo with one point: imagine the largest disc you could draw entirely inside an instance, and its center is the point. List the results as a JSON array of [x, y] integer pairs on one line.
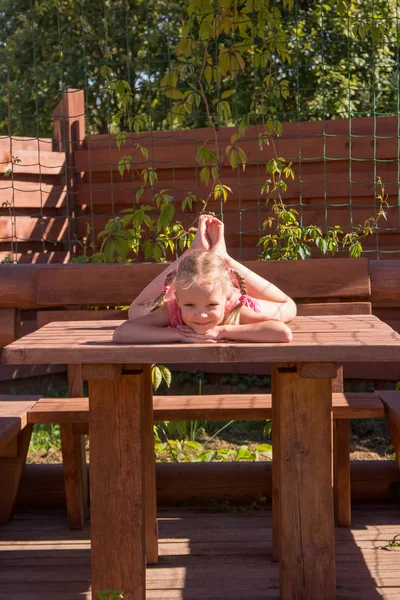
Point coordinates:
[[72, 414], [15, 435], [391, 402], [226, 407]]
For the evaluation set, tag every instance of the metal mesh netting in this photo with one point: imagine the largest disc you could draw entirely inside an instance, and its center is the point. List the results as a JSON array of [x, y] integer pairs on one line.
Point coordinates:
[[327, 71]]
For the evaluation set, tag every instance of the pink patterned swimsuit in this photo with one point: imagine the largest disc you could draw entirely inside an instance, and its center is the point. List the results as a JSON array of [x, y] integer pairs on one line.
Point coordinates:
[[175, 315]]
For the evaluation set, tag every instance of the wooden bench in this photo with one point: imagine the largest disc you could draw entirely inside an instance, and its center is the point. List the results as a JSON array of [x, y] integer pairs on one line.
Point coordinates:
[[72, 415], [15, 435]]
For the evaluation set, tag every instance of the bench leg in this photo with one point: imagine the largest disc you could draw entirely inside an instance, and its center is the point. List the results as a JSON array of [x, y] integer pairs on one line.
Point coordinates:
[[149, 467], [341, 428], [12, 461], [74, 464], [275, 469]]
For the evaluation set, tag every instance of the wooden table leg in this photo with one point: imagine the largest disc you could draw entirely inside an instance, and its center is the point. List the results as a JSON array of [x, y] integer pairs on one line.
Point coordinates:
[[149, 469], [275, 467], [306, 528], [116, 481]]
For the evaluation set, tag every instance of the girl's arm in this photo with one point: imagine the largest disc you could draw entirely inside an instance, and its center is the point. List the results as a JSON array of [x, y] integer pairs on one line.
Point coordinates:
[[152, 328], [265, 330], [274, 303]]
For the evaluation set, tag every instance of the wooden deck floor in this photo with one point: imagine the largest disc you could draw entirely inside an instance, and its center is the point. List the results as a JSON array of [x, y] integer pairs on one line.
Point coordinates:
[[204, 556]]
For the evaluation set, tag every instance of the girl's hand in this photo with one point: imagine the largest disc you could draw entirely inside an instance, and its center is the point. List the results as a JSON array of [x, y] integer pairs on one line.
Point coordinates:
[[192, 337]]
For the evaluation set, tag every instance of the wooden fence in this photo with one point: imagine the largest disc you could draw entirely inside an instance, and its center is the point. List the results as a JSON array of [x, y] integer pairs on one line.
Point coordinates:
[[57, 187]]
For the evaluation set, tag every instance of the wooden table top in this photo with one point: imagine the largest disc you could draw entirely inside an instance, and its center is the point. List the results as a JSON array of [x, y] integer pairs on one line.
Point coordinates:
[[349, 338]]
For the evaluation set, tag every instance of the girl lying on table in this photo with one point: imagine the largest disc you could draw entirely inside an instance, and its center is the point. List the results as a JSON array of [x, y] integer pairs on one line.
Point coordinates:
[[207, 297]]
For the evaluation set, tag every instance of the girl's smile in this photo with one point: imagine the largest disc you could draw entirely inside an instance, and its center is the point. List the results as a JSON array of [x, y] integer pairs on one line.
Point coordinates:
[[202, 307]]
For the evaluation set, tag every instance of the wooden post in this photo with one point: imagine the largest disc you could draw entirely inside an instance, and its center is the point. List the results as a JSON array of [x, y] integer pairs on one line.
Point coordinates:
[[275, 466], [74, 458], [117, 484], [11, 466], [149, 469], [10, 325], [69, 136], [307, 572], [341, 470]]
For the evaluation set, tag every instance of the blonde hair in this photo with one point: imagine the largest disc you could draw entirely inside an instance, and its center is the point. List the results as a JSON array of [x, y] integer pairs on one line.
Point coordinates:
[[201, 267]]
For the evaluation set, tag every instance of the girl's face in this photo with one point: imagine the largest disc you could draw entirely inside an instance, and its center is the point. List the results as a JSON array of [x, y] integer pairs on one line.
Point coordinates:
[[202, 307]]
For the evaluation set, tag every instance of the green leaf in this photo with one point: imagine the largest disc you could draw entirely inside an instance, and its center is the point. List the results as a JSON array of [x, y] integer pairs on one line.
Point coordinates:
[[172, 93], [226, 94], [322, 244], [304, 252], [166, 374], [207, 456], [167, 213], [205, 175], [109, 250], [81, 259], [148, 250], [121, 246], [156, 377], [157, 252], [245, 454]]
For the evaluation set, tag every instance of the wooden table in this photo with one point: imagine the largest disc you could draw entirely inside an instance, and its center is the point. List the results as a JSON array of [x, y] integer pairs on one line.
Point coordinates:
[[120, 399]]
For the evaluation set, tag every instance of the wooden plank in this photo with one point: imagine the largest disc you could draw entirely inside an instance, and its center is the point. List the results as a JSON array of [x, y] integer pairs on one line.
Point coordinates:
[[341, 468], [10, 325], [361, 338], [75, 389], [319, 278], [276, 511], [42, 486], [76, 292], [10, 474], [73, 475], [385, 282], [32, 162], [13, 416], [226, 407], [18, 143], [17, 288], [149, 469], [306, 526], [32, 256], [116, 480], [49, 316], [359, 126], [177, 151], [32, 194], [335, 188], [334, 308], [34, 228], [391, 402]]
